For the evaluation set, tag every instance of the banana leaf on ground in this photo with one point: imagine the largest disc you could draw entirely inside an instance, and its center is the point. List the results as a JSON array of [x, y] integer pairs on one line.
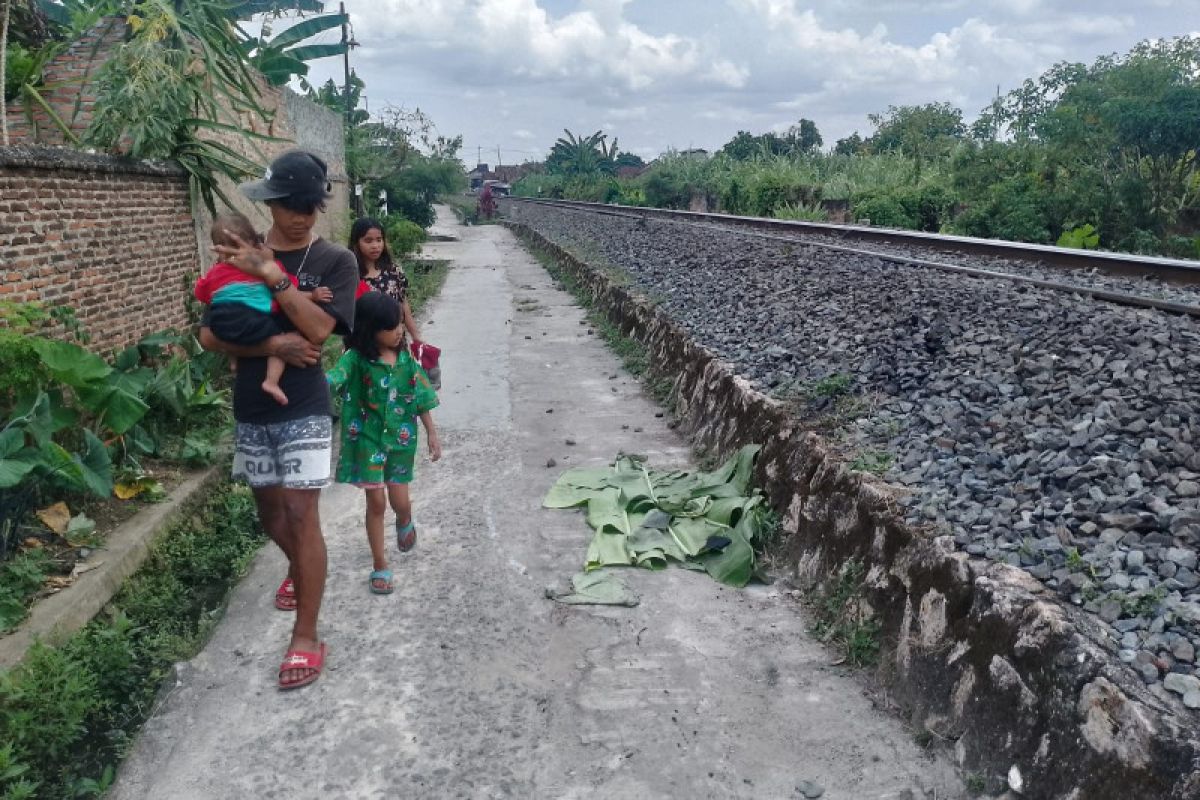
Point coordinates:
[[650, 518]]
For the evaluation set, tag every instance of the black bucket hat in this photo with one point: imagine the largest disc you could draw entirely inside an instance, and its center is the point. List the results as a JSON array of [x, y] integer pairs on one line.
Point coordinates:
[[296, 173]]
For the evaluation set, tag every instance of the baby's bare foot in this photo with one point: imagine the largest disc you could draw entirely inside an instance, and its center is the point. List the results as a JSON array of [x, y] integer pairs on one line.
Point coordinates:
[[274, 390]]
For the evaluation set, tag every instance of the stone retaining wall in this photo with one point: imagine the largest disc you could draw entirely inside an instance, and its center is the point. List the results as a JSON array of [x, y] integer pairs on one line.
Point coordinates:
[[975, 652]]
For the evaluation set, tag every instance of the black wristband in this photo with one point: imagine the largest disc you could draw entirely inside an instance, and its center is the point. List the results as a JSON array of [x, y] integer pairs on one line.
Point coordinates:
[[282, 286]]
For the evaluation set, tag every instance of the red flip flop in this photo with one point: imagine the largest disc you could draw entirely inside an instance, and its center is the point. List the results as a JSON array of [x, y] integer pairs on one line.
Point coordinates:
[[299, 659], [285, 596]]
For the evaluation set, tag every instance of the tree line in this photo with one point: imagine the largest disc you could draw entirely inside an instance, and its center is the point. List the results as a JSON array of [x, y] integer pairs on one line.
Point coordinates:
[[1100, 155]]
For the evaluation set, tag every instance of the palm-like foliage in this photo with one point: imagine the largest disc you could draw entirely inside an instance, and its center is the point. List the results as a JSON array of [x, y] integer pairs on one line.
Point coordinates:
[[582, 155], [186, 68], [249, 8], [284, 57], [183, 70]]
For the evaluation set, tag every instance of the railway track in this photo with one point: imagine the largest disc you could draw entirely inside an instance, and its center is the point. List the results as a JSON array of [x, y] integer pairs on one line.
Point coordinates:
[[1029, 264], [1050, 432]]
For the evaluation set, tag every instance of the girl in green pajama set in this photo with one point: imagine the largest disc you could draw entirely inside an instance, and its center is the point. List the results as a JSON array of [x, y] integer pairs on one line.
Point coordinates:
[[384, 392]]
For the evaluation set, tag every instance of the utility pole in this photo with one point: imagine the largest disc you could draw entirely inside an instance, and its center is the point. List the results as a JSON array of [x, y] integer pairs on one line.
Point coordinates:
[[346, 63], [4, 71], [498, 161], [348, 97]]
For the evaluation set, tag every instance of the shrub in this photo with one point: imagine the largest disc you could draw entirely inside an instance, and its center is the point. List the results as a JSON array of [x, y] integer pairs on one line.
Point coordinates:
[[883, 209], [1084, 237], [665, 190], [1014, 210], [593, 189], [631, 195], [931, 205], [23, 371], [411, 206], [1140, 241], [69, 712], [403, 235], [540, 184], [1183, 246], [734, 198], [20, 68], [771, 192]]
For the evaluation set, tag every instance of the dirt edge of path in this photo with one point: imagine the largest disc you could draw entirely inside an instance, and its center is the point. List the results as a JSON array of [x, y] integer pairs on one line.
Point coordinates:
[[977, 653], [54, 618]]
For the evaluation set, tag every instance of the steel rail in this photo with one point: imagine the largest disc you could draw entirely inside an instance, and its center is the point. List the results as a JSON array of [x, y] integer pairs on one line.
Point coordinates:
[[1096, 293], [1174, 270]]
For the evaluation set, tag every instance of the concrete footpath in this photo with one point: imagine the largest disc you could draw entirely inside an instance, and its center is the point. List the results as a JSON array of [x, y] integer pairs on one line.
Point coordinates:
[[467, 683]]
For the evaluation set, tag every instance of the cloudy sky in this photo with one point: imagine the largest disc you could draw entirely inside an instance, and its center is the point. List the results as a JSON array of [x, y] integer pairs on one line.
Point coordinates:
[[659, 74]]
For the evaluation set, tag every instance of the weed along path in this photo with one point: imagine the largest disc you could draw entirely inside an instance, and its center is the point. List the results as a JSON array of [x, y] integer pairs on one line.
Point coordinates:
[[469, 683]]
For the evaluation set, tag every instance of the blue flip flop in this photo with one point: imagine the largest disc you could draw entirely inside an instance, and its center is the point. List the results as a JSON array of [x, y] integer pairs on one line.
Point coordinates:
[[384, 575], [406, 537]]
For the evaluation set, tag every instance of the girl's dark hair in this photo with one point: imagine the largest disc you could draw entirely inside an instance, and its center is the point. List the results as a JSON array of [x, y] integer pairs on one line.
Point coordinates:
[[358, 230], [374, 312]]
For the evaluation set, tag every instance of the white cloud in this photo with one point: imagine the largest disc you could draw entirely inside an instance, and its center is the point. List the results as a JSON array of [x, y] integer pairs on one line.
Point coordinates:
[[514, 73], [519, 39], [626, 113], [1077, 26], [849, 56], [868, 71]]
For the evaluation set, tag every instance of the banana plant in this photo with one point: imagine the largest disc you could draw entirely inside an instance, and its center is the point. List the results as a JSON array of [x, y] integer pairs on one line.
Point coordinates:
[[582, 155], [284, 56], [250, 8]]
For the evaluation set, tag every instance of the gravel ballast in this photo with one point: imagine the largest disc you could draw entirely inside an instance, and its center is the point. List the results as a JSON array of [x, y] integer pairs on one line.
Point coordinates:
[[1035, 427]]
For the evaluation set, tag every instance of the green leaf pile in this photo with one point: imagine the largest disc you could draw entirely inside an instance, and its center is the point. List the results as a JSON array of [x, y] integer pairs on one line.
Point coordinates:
[[706, 521]]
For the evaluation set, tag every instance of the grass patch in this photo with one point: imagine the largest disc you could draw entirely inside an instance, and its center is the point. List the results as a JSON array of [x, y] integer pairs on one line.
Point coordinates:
[[633, 354], [831, 386], [829, 406], [976, 784], [20, 579], [68, 714], [841, 621], [876, 462]]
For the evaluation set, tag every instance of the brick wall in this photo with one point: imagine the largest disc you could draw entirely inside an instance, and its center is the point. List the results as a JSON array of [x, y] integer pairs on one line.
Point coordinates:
[[293, 121], [112, 239], [68, 88]]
